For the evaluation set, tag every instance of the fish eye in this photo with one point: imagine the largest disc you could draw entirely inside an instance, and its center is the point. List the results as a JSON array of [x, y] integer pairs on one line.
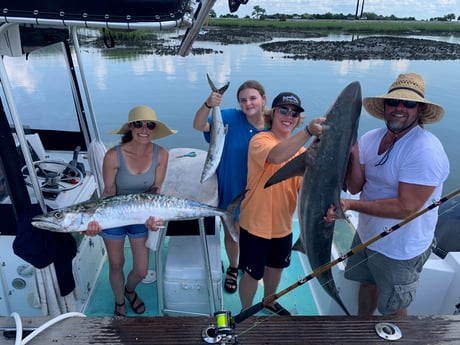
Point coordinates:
[[58, 215]]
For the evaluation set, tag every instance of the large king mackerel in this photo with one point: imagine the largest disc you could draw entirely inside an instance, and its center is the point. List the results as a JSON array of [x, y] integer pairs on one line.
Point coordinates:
[[324, 166], [217, 134], [129, 209]]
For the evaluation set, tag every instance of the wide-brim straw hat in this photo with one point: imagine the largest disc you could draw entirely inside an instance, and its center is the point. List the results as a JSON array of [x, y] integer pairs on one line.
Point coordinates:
[[407, 87], [144, 113]]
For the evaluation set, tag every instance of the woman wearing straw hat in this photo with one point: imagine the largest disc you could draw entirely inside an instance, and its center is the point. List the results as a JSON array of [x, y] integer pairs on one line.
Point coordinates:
[[134, 166], [399, 170]]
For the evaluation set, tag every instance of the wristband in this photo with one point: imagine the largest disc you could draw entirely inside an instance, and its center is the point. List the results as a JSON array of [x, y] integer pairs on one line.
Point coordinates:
[[207, 106], [308, 131]]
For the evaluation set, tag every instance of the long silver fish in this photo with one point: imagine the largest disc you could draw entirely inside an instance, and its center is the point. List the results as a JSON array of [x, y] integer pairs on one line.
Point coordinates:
[[130, 209], [324, 168], [217, 134]]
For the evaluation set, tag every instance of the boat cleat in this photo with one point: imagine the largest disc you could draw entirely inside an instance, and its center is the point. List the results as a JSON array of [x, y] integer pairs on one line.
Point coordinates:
[[388, 331]]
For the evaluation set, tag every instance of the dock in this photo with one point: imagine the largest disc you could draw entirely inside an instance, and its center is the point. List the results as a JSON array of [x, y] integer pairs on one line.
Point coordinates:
[[256, 330]]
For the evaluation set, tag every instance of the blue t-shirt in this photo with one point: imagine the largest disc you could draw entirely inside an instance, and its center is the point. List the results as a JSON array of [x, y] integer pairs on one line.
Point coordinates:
[[232, 171]]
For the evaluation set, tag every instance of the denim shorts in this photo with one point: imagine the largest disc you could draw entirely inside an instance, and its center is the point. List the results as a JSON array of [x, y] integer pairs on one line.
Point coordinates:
[[132, 231], [396, 280], [257, 252]]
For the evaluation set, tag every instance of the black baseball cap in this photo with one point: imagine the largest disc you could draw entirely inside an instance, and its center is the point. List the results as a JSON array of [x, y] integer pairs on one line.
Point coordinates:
[[287, 98]]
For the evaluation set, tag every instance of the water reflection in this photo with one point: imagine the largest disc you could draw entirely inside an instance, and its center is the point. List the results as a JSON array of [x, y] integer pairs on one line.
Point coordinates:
[[176, 86]]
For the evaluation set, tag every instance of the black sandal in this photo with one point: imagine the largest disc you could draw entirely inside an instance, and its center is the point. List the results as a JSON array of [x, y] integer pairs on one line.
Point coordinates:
[[132, 302], [116, 312], [231, 284]]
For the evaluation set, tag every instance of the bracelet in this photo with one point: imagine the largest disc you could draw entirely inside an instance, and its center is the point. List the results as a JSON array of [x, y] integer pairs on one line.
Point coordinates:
[[308, 131], [207, 106]]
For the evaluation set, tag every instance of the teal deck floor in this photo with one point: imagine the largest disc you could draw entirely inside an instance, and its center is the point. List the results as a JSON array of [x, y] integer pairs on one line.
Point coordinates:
[[298, 301]]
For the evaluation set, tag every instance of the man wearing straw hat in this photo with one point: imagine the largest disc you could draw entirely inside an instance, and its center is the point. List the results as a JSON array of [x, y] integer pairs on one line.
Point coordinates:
[[398, 170]]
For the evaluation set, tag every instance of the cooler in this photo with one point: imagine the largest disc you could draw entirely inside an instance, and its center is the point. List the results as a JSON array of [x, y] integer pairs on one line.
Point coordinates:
[[185, 283]]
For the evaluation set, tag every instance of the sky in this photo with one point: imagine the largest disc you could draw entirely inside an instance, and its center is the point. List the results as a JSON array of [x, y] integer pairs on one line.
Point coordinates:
[[419, 9]]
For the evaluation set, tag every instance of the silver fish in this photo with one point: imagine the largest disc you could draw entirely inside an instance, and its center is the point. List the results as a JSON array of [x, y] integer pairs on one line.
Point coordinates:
[[217, 134], [130, 209], [324, 167]]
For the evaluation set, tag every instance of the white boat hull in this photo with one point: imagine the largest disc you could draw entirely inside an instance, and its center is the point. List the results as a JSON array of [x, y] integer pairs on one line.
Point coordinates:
[[437, 294]]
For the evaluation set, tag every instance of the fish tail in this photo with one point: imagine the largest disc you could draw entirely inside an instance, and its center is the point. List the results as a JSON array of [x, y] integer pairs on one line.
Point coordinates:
[[339, 301], [214, 88]]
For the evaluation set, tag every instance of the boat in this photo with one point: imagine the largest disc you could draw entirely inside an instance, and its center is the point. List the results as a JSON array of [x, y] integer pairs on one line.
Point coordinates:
[[43, 168]]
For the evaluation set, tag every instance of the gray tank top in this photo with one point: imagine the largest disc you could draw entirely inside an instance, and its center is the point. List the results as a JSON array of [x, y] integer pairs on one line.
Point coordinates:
[[128, 183]]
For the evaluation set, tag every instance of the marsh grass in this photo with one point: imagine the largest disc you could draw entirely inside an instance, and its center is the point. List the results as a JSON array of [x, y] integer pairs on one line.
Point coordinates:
[[344, 26]]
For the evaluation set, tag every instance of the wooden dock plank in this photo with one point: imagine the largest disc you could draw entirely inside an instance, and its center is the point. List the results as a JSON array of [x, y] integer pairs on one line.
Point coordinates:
[[420, 330]]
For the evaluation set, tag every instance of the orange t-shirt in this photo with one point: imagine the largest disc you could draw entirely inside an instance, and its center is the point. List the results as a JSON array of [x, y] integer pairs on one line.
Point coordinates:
[[268, 212]]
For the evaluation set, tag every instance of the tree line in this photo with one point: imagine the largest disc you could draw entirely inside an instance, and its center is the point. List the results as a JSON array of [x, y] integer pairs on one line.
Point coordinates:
[[261, 14]]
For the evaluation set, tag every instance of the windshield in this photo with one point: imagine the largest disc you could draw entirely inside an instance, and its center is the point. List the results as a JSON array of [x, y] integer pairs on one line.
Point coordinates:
[[40, 80]]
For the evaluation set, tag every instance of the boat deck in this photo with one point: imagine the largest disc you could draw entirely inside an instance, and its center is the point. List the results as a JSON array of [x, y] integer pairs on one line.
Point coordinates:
[[299, 301], [344, 330]]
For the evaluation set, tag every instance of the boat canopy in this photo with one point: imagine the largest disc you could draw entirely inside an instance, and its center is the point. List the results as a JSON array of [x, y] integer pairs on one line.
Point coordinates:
[[108, 14], [126, 14]]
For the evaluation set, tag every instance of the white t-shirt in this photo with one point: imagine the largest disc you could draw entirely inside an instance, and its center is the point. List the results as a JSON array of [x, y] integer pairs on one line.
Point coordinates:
[[417, 158]]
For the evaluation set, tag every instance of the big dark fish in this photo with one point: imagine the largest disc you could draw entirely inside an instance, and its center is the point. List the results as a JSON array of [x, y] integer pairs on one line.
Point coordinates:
[[324, 167]]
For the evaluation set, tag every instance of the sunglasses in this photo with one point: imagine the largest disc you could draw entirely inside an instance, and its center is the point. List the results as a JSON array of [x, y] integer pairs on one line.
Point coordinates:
[[285, 112], [395, 102], [139, 124]]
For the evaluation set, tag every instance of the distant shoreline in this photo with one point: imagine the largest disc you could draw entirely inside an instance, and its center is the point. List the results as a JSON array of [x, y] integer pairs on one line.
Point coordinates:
[[385, 40], [299, 46], [400, 27]]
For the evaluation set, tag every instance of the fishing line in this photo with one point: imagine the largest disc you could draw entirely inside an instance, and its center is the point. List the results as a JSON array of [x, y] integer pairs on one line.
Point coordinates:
[[375, 253], [248, 312]]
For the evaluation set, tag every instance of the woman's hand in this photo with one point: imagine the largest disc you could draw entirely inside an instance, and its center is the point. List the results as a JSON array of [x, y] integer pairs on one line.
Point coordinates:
[[154, 224], [315, 127], [93, 228], [214, 99]]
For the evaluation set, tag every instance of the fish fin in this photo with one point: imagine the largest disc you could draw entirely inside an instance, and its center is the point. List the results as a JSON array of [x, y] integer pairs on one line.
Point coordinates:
[[229, 216], [298, 246], [295, 167]]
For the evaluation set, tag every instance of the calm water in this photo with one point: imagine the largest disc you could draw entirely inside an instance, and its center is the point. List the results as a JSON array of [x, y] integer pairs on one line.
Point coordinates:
[[176, 86]]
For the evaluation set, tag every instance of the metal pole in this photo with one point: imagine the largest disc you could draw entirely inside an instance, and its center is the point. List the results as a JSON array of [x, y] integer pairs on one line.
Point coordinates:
[[21, 135]]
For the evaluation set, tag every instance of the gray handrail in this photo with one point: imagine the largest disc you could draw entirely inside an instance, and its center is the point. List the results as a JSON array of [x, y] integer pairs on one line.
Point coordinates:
[[19, 129]]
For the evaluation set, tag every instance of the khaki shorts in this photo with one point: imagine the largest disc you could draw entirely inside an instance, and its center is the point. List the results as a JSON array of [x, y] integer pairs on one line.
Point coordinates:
[[396, 280]]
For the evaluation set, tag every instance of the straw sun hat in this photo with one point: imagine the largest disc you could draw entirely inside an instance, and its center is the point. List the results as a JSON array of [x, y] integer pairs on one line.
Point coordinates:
[[144, 113], [407, 87]]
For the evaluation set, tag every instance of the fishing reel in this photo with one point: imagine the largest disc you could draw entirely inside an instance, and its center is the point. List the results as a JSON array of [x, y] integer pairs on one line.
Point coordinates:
[[222, 332]]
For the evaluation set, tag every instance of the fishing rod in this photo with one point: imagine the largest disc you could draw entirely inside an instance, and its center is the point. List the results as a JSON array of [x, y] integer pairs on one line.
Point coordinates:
[[248, 312]]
